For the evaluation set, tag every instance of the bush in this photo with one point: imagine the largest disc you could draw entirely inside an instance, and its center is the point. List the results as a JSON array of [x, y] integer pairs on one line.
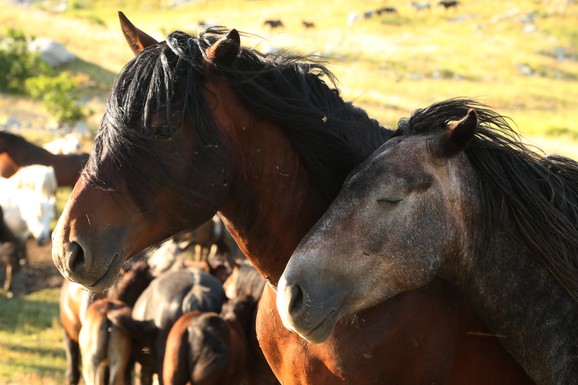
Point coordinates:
[[17, 63], [24, 72], [59, 95]]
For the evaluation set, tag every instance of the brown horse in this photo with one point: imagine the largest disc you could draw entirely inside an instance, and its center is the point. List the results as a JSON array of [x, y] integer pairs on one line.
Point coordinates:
[[208, 348], [75, 299], [465, 202], [12, 253], [246, 282], [17, 152], [196, 125], [106, 351]]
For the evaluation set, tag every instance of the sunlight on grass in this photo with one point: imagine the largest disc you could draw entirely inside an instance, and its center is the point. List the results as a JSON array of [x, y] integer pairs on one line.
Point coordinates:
[[31, 344]]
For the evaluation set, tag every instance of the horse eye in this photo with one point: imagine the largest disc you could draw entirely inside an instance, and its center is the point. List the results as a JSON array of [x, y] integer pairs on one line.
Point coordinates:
[[164, 131], [390, 200]]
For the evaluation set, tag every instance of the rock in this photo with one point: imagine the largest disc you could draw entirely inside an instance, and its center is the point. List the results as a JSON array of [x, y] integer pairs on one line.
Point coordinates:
[[53, 53]]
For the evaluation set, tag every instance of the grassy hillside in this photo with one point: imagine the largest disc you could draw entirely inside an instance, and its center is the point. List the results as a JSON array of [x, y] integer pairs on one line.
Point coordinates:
[[519, 56]]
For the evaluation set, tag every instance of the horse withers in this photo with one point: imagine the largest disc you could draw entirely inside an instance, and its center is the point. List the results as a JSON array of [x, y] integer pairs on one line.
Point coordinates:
[[455, 194]]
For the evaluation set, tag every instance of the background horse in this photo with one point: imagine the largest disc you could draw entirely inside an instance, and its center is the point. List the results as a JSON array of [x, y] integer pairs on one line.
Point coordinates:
[[196, 125], [106, 351], [208, 348], [27, 212], [17, 152], [12, 253], [470, 204], [168, 297], [74, 302], [39, 178]]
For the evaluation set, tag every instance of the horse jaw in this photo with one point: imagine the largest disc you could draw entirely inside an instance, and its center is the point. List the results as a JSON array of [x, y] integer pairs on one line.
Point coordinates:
[[89, 249]]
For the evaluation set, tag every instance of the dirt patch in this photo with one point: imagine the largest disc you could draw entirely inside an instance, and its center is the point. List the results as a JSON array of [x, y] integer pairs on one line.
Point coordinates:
[[39, 272]]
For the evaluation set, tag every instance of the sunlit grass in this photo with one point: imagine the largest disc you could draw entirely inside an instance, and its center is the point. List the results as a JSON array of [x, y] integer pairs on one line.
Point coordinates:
[[31, 347]]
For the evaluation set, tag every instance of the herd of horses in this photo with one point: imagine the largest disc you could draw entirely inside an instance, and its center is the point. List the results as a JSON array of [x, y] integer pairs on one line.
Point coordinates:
[[443, 252], [182, 324]]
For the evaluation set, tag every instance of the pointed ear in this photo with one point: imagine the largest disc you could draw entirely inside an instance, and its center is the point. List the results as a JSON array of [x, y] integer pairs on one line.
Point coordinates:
[[136, 39], [458, 135], [225, 50]]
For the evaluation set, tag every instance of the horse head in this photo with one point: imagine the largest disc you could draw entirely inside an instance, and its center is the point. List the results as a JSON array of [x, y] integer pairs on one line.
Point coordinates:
[[388, 231]]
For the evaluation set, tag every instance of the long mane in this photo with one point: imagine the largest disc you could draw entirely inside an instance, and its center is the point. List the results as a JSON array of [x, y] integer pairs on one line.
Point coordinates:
[[298, 92], [538, 193]]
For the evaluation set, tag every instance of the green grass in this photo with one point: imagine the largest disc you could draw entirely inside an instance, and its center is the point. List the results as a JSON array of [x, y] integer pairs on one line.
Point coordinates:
[[31, 347]]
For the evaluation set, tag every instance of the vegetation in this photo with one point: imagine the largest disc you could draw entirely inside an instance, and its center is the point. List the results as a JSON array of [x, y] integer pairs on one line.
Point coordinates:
[[23, 72]]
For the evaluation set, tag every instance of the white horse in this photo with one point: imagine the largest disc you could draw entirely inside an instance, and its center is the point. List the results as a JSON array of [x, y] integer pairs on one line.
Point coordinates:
[[27, 212], [69, 144], [36, 177]]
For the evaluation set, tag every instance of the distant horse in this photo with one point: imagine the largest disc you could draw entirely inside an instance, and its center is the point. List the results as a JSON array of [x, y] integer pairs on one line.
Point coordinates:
[[39, 178], [168, 296], [465, 201], [69, 144], [106, 351], [17, 152], [274, 23], [246, 282], [196, 125], [75, 300], [27, 212], [12, 253], [207, 348], [447, 4]]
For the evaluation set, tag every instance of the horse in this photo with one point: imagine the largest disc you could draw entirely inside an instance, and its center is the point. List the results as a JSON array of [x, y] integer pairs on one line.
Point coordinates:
[[17, 152], [208, 348], [73, 304], [69, 144], [466, 201], [27, 212], [199, 125], [36, 177], [168, 296], [246, 282], [12, 254], [105, 350]]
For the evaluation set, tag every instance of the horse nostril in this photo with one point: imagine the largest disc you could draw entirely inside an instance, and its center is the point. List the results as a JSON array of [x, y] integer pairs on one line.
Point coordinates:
[[296, 299], [76, 259]]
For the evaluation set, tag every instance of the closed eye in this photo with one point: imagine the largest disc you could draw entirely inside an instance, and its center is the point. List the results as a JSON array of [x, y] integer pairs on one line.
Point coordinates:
[[390, 200]]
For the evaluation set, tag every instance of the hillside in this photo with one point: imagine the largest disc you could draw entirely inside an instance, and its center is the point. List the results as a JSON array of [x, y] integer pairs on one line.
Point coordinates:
[[520, 56]]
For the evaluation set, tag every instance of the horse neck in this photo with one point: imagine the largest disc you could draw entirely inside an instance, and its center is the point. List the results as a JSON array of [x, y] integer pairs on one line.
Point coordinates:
[[273, 200], [534, 317]]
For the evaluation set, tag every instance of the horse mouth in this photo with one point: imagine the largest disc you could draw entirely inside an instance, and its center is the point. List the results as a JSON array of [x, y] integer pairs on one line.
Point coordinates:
[[322, 330], [108, 278]]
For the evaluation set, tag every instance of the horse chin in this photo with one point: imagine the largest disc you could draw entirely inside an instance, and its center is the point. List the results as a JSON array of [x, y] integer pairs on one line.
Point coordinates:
[[109, 277], [322, 331]]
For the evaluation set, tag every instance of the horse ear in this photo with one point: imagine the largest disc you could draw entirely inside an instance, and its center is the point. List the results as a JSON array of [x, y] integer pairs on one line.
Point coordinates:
[[458, 135], [225, 50], [136, 39]]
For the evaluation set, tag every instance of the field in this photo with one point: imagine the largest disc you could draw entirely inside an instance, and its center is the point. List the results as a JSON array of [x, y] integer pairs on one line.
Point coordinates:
[[520, 56]]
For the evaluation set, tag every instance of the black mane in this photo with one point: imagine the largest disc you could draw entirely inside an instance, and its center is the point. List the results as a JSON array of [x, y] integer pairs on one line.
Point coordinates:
[[539, 193], [331, 135]]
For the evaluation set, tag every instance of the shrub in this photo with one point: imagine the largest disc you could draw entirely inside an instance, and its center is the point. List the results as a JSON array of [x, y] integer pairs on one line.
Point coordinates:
[[59, 95], [17, 63], [24, 72]]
